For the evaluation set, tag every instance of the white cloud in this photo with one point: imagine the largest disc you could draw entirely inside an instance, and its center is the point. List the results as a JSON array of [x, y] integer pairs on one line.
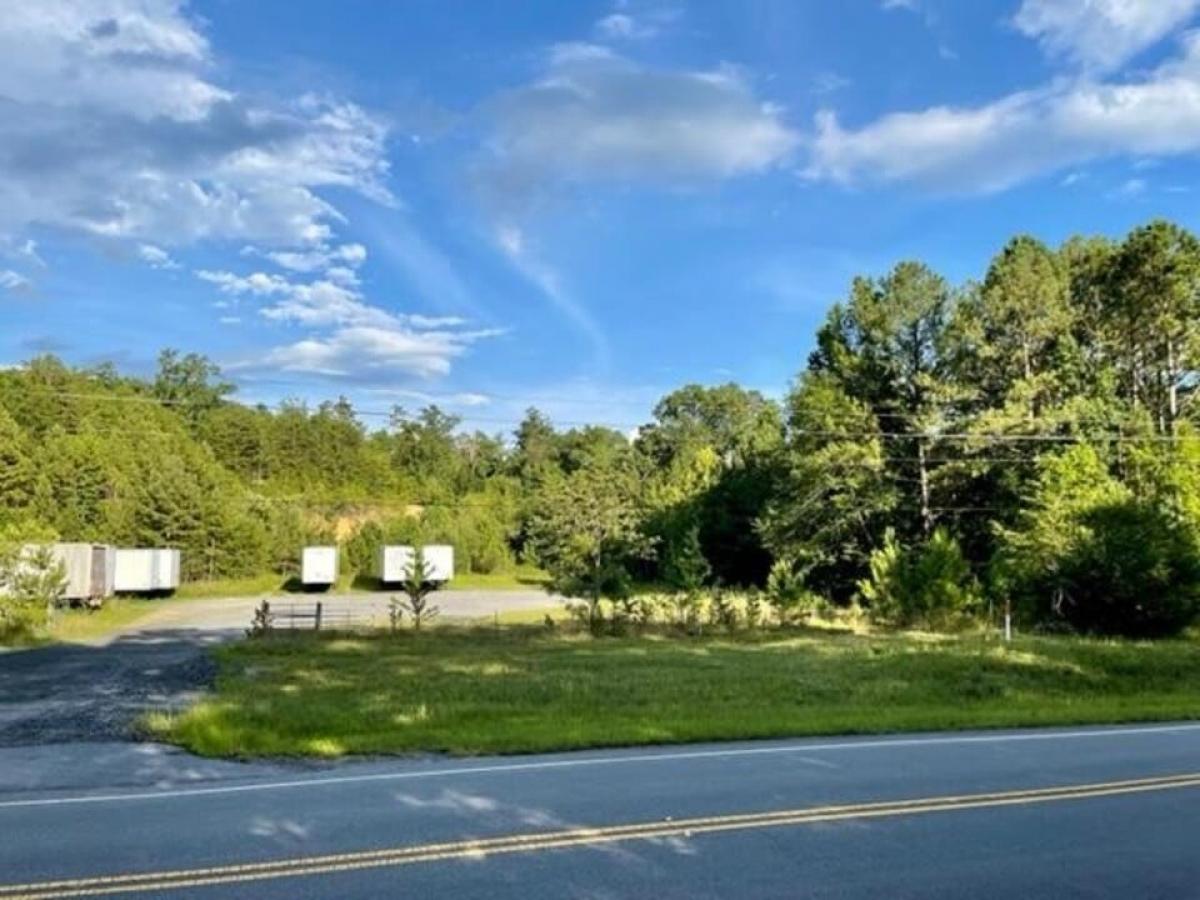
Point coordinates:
[[830, 82], [14, 281], [258, 284], [624, 25], [342, 275], [619, 25], [25, 251], [421, 321], [364, 351], [596, 116], [316, 303], [1133, 187], [361, 340], [111, 124], [919, 8], [323, 257], [471, 399], [511, 240], [990, 147], [156, 257], [1100, 35]]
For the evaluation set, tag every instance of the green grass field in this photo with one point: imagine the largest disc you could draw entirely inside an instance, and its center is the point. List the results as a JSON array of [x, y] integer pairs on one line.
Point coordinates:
[[522, 577], [516, 689], [255, 586]]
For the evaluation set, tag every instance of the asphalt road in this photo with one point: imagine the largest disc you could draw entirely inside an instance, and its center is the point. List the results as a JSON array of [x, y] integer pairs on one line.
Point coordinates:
[[94, 691], [1049, 814]]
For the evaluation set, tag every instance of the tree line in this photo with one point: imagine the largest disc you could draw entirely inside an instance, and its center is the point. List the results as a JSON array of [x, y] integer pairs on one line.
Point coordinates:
[[1026, 440]]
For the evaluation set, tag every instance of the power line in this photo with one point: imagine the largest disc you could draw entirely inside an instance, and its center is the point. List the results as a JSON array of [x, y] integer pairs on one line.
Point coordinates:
[[927, 435], [993, 437], [284, 406]]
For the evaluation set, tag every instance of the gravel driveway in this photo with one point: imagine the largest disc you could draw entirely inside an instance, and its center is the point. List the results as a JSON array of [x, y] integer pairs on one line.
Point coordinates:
[[94, 691]]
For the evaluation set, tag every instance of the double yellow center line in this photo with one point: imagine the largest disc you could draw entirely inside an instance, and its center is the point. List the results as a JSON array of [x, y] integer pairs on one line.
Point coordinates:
[[575, 837]]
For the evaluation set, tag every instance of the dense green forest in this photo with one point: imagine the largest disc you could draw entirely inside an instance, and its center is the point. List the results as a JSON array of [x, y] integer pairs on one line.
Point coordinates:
[[1026, 439]]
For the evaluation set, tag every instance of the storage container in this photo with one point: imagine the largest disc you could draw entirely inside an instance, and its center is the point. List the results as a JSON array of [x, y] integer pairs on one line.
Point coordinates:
[[439, 562], [394, 563], [319, 566], [146, 570], [89, 571]]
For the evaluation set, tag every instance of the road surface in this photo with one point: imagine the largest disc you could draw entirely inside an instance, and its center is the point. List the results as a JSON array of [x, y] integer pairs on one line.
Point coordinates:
[[95, 690], [1091, 812]]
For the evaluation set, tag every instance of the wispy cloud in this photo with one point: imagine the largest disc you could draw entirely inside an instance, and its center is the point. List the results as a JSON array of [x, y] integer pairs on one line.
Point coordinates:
[[312, 259], [1132, 187], [14, 281], [156, 257], [830, 82], [1100, 35], [625, 24], [549, 283], [430, 271], [1059, 126]]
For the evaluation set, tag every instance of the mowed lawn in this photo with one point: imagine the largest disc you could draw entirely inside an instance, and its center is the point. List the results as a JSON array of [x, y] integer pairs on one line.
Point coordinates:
[[524, 689]]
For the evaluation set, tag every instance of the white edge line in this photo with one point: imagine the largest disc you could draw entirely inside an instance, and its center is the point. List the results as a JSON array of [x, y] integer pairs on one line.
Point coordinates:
[[597, 761]]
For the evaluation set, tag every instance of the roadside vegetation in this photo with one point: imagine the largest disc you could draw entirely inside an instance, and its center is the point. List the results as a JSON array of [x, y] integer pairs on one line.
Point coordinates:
[[1024, 443], [73, 625], [519, 689], [266, 585]]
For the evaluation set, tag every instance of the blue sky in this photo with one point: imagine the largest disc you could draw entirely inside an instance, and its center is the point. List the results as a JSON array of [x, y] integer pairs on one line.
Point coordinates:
[[576, 205]]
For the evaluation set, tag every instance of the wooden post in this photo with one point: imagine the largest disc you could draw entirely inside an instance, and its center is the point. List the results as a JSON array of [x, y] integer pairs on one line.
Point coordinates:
[[317, 618]]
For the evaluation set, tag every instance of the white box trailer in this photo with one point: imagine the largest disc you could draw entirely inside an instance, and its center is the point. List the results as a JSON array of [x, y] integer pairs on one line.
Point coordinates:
[[394, 563], [146, 570], [319, 566], [439, 561], [89, 571]]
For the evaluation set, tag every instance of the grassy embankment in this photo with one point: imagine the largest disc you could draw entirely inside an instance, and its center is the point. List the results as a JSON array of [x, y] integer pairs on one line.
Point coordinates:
[[524, 689]]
